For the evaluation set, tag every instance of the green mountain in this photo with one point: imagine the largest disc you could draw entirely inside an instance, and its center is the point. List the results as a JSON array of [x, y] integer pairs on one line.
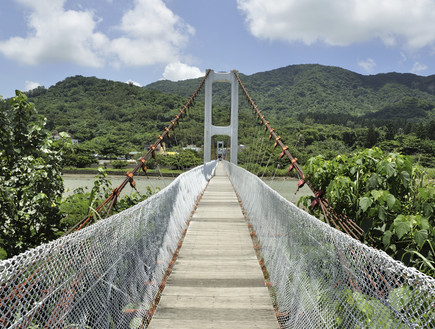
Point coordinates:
[[315, 88], [102, 111], [315, 108]]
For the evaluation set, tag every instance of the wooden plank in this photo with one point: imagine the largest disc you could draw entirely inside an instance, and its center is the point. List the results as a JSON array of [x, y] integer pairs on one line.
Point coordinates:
[[216, 281]]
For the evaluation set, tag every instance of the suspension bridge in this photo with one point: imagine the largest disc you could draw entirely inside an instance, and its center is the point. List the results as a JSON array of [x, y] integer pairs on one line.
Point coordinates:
[[217, 248]]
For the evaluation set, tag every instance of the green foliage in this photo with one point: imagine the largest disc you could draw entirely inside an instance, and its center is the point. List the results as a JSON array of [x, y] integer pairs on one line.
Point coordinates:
[[181, 160], [324, 89], [81, 203], [79, 156], [316, 109], [107, 117], [375, 314], [31, 185], [118, 164], [387, 196]]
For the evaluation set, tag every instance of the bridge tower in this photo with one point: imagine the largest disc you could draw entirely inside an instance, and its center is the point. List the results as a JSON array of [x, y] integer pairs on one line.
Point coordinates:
[[231, 130]]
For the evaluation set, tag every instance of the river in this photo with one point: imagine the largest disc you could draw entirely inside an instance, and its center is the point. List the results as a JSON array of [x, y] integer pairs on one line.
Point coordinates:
[[286, 187]]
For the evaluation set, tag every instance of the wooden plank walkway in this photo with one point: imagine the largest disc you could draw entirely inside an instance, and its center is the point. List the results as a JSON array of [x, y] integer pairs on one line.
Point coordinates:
[[216, 281]]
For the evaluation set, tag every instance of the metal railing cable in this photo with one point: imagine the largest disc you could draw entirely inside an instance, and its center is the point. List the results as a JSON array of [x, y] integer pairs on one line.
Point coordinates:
[[382, 282], [141, 164], [320, 277], [340, 221], [107, 274], [104, 209]]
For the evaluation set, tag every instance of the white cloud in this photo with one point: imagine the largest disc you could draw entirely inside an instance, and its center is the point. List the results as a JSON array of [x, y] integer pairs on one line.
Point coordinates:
[[418, 67], [368, 65], [404, 57], [30, 85], [179, 71], [408, 23], [134, 83], [56, 35], [150, 33]]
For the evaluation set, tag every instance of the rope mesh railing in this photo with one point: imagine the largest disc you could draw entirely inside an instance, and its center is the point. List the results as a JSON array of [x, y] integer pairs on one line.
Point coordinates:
[[105, 208], [106, 275], [322, 278], [339, 221]]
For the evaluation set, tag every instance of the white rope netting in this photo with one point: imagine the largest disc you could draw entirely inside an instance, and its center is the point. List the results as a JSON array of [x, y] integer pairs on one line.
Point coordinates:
[[322, 278], [106, 275]]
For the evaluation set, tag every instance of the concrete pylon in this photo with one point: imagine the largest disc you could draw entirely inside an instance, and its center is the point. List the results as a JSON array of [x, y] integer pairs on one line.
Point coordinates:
[[231, 130]]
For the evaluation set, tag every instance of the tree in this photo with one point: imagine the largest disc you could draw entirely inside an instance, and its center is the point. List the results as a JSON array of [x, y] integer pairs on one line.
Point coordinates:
[[31, 185], [386, 195], [184, 159], [79, 156], [82, 204], [372, 136]]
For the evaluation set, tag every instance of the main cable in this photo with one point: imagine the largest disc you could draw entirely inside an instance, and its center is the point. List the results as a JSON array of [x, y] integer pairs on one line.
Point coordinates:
[[340, 221]]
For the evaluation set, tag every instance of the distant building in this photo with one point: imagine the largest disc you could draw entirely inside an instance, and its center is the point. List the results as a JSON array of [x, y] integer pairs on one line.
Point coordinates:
[[132, 155], [56, 137], [192, 147]]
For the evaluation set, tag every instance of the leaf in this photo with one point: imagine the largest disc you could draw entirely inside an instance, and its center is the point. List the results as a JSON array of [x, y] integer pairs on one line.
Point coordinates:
[[427, 210], [386, 239], [135, 323], [402, 226], [63, 134], [131, 307], [381, 213], [391, 201], [422, 222], [390, 170], [365, 203], [361, 303], [373, 181], [400, 297], [405, 178], [377, 194], [420, 237]]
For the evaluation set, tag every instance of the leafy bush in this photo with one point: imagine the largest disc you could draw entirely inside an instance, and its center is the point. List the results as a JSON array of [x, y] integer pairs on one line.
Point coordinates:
[[31, 185], [184, 159], [387, 196], [82, 203], [118, 164], [79, 156]]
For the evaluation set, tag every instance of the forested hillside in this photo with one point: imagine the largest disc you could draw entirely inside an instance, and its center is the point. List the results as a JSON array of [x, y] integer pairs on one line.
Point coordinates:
[[317, 109], [316, 88], [108, 117]]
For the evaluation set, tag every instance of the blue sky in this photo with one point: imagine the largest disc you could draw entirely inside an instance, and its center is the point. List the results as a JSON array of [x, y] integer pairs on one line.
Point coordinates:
[[45, 41]]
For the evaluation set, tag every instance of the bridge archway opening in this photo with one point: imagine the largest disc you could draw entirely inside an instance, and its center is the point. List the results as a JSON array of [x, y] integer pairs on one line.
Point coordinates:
[[230, 130], [221, 114]]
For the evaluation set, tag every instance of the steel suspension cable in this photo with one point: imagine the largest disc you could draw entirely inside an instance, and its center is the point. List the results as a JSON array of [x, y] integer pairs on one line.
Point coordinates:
[[26, 287], [141, 164], [340, 221]]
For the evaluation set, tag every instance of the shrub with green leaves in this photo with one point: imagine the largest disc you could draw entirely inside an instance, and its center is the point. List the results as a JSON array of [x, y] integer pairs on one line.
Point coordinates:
[[387, 196], [31, 185], [119, 164], [184, 159], [82, 203]]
